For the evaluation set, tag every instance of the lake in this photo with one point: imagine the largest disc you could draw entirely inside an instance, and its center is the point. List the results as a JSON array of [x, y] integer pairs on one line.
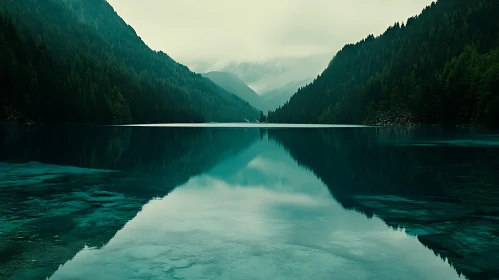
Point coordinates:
[[248, 202]]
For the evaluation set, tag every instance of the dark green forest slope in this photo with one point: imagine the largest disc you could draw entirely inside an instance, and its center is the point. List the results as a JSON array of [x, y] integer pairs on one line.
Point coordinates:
[[441, 67], [78, 61]]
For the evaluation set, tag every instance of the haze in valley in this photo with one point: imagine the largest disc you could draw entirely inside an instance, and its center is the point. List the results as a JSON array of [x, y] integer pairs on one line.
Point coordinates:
[[272, 46]]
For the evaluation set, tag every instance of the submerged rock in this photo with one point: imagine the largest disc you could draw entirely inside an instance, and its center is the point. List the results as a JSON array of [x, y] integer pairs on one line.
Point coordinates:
[[66, 212], [467, 235]]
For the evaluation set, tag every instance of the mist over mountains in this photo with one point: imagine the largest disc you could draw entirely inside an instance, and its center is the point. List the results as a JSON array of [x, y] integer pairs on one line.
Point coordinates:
[[275, 80], [268, 76]]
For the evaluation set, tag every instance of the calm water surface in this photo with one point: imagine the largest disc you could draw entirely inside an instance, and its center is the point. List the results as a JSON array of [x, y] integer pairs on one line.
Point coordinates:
[[248, 203]]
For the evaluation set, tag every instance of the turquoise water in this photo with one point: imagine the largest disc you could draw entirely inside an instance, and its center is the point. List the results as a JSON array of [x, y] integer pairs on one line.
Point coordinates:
[[248, 202]]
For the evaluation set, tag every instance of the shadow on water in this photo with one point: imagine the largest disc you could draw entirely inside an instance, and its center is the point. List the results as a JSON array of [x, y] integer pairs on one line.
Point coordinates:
[[63, 188], [439, 185]]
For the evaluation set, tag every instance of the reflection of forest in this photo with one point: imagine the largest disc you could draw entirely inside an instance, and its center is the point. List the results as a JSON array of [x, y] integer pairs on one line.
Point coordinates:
[[172, 152], [48, 222], [445, 194]]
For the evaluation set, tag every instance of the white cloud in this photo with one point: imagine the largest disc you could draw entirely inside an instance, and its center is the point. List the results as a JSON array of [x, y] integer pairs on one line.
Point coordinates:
[[219, 31]]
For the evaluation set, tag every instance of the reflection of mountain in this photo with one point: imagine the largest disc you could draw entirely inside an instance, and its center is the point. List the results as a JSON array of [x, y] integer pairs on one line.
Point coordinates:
[[255, 215], [245, 204], [142, 150], [446, 195], [52, 205], [265, 163]]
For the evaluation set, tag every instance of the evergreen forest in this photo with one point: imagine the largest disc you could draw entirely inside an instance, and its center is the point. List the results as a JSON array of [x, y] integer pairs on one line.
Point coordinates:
[[77, 61], [440, 67]]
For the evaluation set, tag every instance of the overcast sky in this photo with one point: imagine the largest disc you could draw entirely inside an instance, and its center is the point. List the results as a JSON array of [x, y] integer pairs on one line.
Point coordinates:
[[219, 31]]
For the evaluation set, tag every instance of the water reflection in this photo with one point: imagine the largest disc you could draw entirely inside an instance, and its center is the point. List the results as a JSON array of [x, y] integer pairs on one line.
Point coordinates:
[[423, 180], [264, 217], [248, 203], [62, 188]]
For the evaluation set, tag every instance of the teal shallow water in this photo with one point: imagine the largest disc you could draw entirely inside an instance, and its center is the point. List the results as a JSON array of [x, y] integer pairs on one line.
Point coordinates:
[[245, 203]]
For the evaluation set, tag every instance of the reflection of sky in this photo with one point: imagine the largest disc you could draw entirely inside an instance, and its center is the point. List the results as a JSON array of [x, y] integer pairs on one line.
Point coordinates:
[[266, 164], [256, 216]]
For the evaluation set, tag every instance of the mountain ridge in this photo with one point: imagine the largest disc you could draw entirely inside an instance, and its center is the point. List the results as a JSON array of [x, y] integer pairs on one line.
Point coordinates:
[[232, 84], [107, 73], [278, 97], [441, 67]]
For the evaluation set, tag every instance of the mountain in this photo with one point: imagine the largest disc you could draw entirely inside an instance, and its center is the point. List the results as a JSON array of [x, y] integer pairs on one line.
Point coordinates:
[[275, 73], [275, 80], [440, 67], [277, 97], [78, 61], [236, 86]]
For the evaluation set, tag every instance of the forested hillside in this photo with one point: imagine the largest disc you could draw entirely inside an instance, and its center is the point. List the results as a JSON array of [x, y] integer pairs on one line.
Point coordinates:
[[441, 67], [78, 61]]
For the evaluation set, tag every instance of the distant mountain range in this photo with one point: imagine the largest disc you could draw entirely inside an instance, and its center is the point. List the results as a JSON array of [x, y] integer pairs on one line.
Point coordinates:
[[275, 80], [273, 74], [236, 86], [264, 102], [278, 97]]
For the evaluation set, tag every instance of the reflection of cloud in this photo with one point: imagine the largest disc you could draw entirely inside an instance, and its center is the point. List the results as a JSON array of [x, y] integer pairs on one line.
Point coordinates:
[[267, 164], [215, 228], [280, 169], [258, 163]]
